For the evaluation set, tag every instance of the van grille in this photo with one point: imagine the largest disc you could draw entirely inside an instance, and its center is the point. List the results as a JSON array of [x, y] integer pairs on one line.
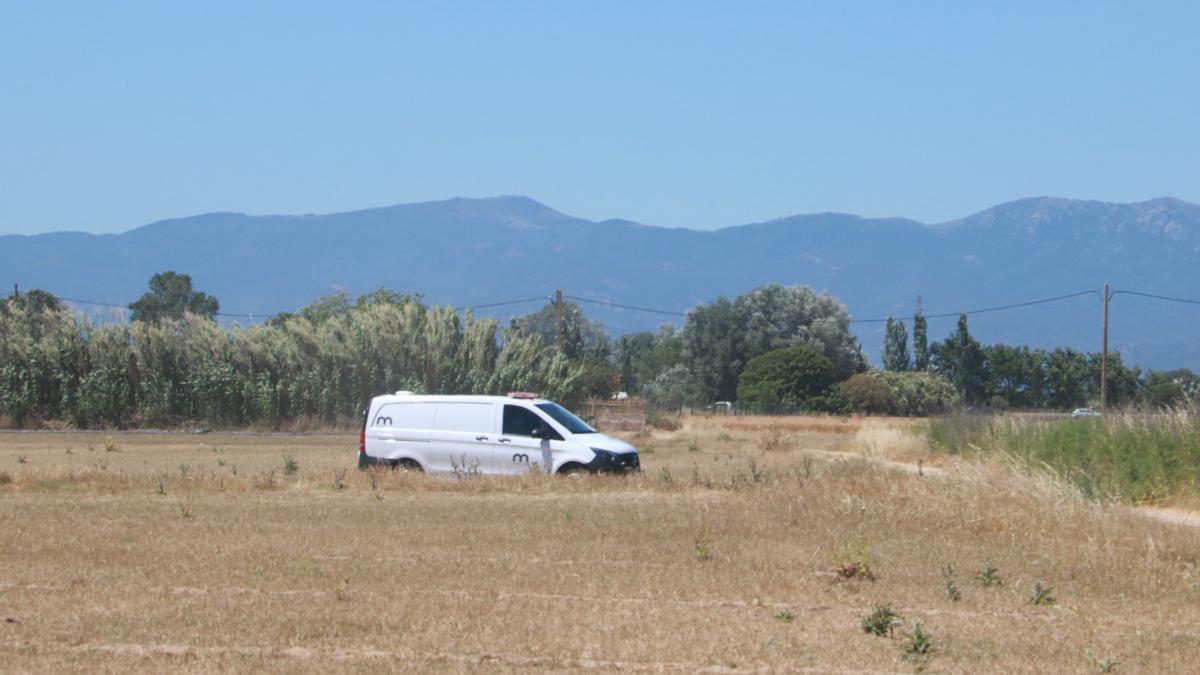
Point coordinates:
[[629, 461]]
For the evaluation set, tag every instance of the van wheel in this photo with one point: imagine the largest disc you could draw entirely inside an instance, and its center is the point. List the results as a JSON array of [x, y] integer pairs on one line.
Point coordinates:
[[407, 466], [572, 471]]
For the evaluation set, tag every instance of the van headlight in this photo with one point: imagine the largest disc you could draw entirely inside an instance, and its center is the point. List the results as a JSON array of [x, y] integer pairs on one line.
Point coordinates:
[[605, 455]]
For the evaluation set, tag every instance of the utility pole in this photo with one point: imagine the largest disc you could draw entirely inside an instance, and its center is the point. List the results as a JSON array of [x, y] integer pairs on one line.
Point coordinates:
[[1104, 356], [558, 320]]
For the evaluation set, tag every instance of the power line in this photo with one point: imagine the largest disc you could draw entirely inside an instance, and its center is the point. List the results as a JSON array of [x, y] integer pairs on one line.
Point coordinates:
[[540, 298], [1158, 297], [984, 310], [1014, 305], [664, 312], [620, 306]]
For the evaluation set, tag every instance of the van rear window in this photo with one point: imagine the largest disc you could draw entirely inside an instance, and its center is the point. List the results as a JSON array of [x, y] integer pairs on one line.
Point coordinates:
[[566, 418]]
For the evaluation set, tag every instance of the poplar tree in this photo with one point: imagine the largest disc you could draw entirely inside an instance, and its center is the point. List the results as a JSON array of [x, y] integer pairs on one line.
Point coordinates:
[[895, 346], [960, 358], [920, 344]]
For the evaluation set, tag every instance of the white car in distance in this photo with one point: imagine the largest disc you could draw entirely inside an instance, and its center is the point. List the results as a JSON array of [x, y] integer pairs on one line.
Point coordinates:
[[488, 434]]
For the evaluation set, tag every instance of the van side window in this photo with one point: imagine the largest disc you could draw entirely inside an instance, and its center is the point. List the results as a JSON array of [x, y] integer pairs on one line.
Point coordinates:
[[520, 421]]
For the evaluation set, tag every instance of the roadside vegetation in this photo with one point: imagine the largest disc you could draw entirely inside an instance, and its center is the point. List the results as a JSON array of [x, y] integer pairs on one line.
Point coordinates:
[[1138, 456]]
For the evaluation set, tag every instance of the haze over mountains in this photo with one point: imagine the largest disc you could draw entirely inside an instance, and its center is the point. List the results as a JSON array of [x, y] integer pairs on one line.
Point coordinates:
[[478, 251]]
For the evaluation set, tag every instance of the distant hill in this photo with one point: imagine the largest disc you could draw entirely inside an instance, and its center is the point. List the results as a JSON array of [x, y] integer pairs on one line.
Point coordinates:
[[478, 251]]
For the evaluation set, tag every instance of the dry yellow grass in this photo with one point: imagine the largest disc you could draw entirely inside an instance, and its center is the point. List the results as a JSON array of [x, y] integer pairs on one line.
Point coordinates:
[[681, 569]]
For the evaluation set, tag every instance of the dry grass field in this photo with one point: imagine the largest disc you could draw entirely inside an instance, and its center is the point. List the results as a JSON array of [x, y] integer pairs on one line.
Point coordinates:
[[746, 545]]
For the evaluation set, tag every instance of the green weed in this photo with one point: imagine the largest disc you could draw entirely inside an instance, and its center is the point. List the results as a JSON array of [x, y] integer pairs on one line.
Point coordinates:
[[989, 575], [952, 591], [1042, 595], [703, 546], [918, 645], [881, 621]]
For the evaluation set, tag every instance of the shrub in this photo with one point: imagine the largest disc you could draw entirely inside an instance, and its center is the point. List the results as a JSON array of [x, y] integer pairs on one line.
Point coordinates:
[[915, 394], [867, 393], [791, 377]]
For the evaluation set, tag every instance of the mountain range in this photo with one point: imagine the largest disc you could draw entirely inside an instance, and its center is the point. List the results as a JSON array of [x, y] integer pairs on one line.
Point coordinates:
[[482, 251]]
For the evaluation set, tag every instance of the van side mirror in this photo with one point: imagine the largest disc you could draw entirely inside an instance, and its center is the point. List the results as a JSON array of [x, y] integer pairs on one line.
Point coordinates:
[[542, 432]]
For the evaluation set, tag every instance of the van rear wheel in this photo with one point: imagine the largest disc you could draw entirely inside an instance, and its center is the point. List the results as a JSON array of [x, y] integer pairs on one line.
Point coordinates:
[[407, 466]]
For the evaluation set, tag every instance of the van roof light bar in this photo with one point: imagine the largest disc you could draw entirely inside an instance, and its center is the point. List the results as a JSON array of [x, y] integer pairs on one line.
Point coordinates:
[[527, 395]]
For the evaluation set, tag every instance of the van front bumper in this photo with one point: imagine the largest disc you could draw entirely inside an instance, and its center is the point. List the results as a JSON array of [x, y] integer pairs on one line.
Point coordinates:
[[612, 462]]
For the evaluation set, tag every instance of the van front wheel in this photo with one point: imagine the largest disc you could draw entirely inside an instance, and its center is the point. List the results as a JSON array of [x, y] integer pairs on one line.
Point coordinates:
[[573, 470]]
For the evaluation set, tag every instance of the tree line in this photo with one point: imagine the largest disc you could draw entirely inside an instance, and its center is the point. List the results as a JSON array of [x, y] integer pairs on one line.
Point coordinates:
[[775, 348], [1003, 376]]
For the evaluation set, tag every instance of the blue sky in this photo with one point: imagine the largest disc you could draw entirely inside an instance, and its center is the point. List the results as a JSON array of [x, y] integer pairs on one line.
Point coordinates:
[[687, 114]]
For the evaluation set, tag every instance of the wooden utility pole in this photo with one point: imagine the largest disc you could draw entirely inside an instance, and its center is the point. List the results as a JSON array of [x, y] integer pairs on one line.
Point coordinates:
[[1104, 356], [558, 320]]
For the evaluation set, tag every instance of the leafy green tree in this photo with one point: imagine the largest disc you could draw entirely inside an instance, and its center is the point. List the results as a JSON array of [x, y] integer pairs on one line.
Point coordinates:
[[895, 347], [920, 344], [641, 357], [581, 337], [1016, 375], [33, 301], [775, 316], [789, 378], [714, 349], [1123, 381], [718, 339], [1167, 389], [675, 387], [960, 359], [1066, 379], [171, 295]]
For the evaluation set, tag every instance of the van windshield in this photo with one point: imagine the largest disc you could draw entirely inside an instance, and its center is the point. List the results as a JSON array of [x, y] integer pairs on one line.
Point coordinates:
[[565, 418]]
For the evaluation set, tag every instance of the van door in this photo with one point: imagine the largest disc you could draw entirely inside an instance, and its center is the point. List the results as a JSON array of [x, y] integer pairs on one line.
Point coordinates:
[[517, 451], [462, 436]]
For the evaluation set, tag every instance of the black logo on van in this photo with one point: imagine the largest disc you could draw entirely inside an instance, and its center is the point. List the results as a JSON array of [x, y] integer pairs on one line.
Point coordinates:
[[521, 457], [383, 421]]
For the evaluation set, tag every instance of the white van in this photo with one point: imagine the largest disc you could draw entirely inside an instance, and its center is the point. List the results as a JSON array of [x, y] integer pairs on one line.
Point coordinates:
[[489, 434]]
